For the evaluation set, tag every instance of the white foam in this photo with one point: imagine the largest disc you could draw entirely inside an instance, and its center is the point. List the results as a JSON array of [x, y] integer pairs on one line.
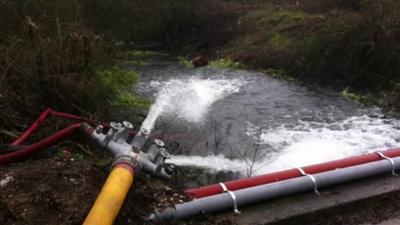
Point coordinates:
[[188, 99], [311, 143], [306, 144]]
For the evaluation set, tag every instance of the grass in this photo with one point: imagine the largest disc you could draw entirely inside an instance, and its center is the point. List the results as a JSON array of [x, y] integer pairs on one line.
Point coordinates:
[[331, 43], [279, 74], [352, 96], [50, 56], [366, 99], [136, 57], [184, 61], [224, 63], [141, 53], [120, 85], [269, 37]]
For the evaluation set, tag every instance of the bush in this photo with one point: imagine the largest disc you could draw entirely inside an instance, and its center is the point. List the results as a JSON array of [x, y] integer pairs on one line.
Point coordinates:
[[167, 24], [48, 58], [341, 43]]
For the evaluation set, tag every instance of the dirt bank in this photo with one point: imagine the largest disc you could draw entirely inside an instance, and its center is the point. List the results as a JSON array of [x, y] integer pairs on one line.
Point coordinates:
[[60, 189]]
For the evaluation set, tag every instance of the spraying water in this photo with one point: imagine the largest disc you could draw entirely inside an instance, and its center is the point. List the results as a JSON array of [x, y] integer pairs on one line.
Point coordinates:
[[213, 163], [267, 125], [188, 99], [312, 142], [306, 144]]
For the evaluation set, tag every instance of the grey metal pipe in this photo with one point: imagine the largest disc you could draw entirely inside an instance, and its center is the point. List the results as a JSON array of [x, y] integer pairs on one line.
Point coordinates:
[[115, 141], [139, 140], [264, 192]]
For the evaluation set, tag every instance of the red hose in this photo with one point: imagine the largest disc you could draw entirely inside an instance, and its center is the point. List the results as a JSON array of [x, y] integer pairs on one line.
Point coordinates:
[[287, 174], [42, 144], [41, 119], [32, 128]]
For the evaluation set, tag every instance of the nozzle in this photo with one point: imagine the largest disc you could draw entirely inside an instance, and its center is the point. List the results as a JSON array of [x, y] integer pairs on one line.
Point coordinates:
[[127, 124], [116, 126], [169, 168], [167, 214]]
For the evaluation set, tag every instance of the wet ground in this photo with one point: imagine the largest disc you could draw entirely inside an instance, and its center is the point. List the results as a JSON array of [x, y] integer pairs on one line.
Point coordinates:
[[61, 189], [291, 121]]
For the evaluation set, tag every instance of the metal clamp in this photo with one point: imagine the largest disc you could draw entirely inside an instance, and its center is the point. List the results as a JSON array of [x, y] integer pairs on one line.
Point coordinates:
[[312, 178], [116, 126], [159, 143], [391, 162], [128, 160], [127, 124], [233, 196], [224, 188]]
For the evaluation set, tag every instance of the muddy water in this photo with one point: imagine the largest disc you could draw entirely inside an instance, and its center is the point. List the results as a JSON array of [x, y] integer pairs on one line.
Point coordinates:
[[247, 123]]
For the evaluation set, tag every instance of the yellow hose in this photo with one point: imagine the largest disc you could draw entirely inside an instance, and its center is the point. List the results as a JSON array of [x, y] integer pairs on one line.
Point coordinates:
[[112, 196]]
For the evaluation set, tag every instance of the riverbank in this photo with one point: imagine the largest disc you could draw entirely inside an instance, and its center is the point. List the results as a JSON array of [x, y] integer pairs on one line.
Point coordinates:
[[351, 46], [60, 188], [63, 55], [57, 171], [49, 58]]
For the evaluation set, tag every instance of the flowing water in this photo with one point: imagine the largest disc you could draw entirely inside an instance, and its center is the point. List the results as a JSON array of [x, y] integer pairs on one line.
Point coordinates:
[[248, 123]]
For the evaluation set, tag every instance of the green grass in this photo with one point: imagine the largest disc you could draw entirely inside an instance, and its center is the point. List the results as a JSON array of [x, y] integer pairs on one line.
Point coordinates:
[[351, 96], [117, 79], [361, 98], [128, 100], [224, 63], [120, 84], [141, 53], [184, 61], [136, 57], [279, 74], [272, 35], [325, 43]]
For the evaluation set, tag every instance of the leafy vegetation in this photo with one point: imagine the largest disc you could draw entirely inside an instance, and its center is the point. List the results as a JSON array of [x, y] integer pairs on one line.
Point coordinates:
[[51, 51], [49, 55], [184, 61], [120, 84], [162, 24], [225, 64], [338, 43]]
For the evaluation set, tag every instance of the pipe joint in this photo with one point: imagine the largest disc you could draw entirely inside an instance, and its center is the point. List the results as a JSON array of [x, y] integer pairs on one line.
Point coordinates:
[[116, 140], [127, 160]]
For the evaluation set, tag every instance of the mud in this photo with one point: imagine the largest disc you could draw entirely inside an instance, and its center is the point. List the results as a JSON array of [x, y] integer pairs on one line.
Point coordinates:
[[60, 189]]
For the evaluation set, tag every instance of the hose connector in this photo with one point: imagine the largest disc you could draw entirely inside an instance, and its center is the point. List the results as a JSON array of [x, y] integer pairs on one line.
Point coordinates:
[[132, 153], [127, 160]]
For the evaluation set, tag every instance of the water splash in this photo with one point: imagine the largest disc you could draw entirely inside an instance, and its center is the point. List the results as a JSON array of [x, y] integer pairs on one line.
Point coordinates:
[[273, 107], [213, 163], [308, 143], [311, 142], [189, 99]]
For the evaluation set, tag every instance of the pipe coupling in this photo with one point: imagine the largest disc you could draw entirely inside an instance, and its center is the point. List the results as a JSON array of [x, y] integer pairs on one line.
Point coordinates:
[[127, 160]]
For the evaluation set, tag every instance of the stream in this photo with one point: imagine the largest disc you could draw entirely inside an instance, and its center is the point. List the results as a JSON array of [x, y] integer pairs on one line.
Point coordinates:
[[242, 123]]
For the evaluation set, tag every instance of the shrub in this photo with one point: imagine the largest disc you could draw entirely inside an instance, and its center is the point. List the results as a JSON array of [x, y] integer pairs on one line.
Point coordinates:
[[340, 43], [48, 58]]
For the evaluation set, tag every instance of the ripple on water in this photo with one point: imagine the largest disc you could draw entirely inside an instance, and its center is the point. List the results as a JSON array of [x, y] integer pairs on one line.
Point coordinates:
[[234, 110]]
